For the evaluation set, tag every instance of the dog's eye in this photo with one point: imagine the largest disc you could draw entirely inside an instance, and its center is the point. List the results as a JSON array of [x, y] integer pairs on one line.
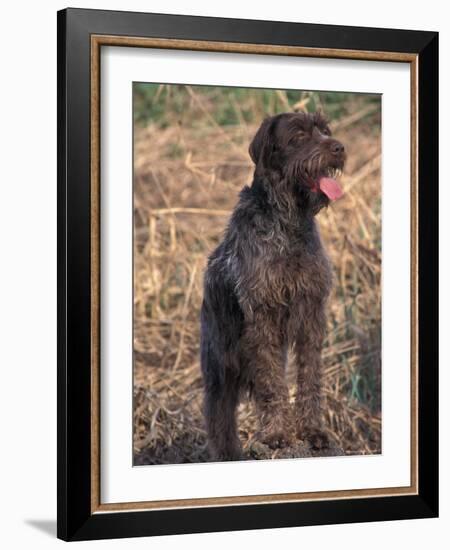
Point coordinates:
[[326, 131]]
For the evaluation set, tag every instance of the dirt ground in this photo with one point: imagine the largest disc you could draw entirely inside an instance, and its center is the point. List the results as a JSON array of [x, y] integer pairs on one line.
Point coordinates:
[[186, 182]]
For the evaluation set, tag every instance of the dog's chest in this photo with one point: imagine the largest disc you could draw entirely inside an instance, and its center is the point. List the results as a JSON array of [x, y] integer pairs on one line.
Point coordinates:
[[298, 274]]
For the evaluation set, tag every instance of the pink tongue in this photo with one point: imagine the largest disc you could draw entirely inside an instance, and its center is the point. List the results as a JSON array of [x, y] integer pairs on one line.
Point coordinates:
[[331, 188]]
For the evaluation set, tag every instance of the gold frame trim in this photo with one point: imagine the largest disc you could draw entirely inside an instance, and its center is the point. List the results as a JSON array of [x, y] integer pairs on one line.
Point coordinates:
[[97, 41]]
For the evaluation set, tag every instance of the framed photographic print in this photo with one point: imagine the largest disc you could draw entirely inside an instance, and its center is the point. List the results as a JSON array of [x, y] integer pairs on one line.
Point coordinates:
[[247, 286]]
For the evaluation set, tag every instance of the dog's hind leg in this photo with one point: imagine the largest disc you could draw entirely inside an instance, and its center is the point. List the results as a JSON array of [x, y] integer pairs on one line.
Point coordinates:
[[220, 414], [221, 326], [221, 388]]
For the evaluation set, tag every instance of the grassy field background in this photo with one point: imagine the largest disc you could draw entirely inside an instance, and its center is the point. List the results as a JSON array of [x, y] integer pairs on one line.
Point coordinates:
[[190, 162]]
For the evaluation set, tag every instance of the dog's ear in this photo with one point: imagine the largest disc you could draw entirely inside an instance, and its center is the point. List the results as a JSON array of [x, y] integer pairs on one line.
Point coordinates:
[[262, 146]]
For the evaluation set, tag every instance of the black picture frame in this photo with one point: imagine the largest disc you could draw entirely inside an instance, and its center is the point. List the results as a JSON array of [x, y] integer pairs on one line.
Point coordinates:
[[76, 521]]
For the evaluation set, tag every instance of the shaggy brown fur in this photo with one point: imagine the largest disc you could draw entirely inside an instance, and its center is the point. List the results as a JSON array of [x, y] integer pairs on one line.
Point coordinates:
[[266, 287]]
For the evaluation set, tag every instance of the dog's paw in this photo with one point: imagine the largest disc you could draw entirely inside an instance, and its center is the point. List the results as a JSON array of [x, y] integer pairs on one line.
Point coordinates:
[[317, 438], [277, 439], [226, 450]]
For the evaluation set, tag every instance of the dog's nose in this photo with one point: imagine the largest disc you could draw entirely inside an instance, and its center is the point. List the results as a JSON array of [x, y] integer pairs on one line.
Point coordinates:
[[337, 148]]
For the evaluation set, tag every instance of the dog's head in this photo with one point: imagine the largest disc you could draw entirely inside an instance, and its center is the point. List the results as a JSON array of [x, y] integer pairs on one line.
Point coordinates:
[[298, 148]]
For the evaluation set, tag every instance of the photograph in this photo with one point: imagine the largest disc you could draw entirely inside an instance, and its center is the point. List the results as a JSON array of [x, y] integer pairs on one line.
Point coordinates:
[[257, 244]]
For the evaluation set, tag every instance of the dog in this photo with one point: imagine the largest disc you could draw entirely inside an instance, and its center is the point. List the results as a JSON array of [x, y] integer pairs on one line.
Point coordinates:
[[266, 286]]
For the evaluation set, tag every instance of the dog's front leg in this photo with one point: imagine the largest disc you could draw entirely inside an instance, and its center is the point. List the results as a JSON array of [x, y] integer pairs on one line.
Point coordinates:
[[265, 358], [309, 336]]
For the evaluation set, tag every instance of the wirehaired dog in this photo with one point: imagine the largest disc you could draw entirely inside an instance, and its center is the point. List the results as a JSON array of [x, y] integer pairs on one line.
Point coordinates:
[[266, 287]]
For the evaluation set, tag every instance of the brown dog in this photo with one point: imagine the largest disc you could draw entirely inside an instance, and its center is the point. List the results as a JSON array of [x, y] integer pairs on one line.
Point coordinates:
[[266, 287]]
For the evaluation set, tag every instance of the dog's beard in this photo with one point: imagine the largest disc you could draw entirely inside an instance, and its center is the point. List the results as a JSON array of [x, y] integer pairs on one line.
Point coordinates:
[[317, 177]]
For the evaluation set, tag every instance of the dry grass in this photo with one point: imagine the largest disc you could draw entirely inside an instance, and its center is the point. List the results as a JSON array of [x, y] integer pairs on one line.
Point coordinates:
[[186, 183]]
